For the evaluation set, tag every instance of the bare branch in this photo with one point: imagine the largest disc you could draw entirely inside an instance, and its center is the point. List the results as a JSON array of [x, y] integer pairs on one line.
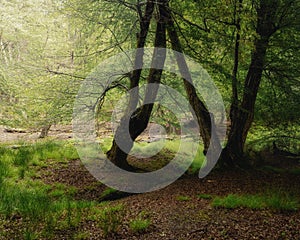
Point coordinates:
[[206, 29], [64, 74]]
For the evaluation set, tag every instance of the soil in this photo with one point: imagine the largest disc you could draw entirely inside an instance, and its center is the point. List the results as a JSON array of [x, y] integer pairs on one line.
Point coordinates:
[[192, 218]]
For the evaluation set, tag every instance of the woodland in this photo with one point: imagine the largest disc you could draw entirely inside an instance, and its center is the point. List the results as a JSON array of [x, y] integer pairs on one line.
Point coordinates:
[[49, 49]]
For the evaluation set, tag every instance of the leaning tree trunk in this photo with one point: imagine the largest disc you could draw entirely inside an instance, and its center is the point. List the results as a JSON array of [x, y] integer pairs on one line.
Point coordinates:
[[138, 121], [203, 116], [115, 154], [242, 115]]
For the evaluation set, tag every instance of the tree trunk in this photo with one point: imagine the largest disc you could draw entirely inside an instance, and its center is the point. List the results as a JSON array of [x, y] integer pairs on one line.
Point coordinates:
[[138, 121], [242, 115], [203, 116], [45, 131]]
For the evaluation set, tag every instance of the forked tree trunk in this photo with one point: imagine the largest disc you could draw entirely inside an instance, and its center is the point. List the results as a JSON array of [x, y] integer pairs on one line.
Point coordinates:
[[242, 115], [138, 121]]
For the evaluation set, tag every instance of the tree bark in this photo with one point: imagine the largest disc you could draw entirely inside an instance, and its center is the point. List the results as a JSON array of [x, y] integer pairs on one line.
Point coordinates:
[[138, 121], [203, 116], [242, 116], [45, 131]]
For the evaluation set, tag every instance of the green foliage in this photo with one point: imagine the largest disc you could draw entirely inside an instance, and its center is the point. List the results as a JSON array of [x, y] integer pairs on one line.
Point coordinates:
[[20, 158], [59, 190], [277, 200], [283, 201], [36, 206], [82, 235], [4, 171], [28, 235], [286, 137], [141, 223], [38, 42], [235, 201]]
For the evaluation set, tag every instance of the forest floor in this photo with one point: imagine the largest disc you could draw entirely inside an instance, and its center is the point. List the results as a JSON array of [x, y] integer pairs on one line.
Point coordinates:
[[184, 209]]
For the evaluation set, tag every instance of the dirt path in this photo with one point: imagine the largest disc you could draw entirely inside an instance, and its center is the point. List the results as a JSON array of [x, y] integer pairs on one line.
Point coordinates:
[[8, 135]]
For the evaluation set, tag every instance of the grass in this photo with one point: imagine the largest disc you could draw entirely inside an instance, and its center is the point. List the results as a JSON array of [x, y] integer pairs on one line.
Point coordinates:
[[183, 198], [295, 171], [44, 209], [166, 149], [111, 219], [169, 148], [81, 235], [139, 225], [107, 192], [275, 200], [37, 207], [204, 196], [41, 207], [22, 158]]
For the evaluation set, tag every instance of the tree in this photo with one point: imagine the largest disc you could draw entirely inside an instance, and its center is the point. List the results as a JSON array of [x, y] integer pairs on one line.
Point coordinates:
[[237, 40], [270, 15], [233, 39], [139, 120]]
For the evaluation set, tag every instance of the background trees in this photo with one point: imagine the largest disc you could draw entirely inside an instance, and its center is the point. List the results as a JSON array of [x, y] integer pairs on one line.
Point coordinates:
[[36, 42]]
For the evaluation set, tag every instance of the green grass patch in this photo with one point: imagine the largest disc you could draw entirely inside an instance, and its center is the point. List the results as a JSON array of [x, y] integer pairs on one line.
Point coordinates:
[[139, 225], [19, 159], [295, 171], [107, 192], [183, 198], [273, 200], [42, 208], [204, 196], [169, 148], [36, 206], [111, 218], [273, 169], [166, 149]]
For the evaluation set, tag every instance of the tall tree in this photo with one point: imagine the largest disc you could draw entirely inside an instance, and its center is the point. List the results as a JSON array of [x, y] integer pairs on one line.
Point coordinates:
[[270, 15], [235, 40]]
